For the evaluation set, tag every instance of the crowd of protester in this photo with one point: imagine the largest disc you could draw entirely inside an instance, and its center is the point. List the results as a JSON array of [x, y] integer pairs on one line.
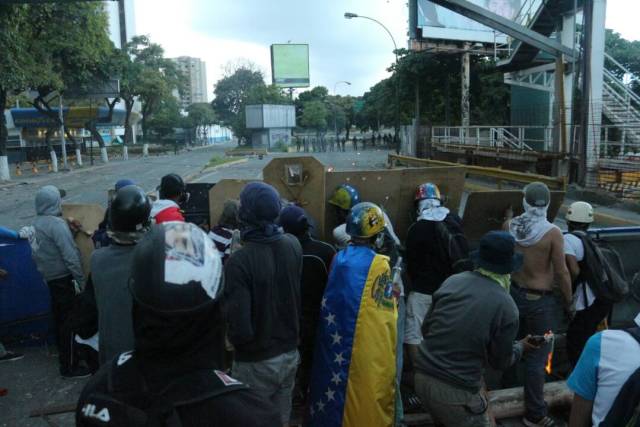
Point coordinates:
[[245, 322]]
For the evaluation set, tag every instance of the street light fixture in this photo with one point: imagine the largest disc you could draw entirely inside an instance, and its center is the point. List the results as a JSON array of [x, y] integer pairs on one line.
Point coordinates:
[[350, 15], [335, 110]]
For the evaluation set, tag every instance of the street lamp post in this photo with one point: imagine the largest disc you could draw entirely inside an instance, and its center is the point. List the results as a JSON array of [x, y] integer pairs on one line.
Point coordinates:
[[335, 110], [349, 15]]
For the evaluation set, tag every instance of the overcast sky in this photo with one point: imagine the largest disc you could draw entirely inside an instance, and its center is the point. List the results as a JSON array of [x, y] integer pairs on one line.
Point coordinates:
[[357, 50]]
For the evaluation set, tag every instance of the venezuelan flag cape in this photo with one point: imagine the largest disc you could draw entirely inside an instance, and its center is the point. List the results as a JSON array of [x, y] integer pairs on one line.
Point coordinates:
[[354, 365]]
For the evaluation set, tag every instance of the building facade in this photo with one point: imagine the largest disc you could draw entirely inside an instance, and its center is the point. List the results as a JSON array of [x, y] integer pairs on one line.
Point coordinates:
[[194, 71]]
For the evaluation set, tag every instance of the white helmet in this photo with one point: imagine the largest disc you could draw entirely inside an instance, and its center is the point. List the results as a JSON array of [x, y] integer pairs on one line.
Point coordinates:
[[580, 212]]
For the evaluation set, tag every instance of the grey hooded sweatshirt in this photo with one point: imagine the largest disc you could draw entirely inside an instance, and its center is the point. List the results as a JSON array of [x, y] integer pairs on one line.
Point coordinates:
[[54, 249]]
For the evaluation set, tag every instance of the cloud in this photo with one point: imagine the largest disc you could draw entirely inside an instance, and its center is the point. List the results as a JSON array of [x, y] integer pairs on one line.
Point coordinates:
[[357, 50], [220, 31]]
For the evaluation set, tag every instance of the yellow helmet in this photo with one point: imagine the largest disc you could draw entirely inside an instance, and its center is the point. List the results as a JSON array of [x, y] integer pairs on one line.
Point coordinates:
[[345, 197], [365, 220]]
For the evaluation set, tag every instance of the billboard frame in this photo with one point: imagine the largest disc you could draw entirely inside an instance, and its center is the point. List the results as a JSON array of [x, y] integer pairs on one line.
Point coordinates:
[[273, 75]]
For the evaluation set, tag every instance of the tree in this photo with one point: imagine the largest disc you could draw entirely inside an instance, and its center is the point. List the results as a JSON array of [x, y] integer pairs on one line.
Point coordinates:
[[47, 48], [626, 53], [144, 74], [314, 116], [201, 116], [16, 68], [70, 44], [231, 95], [166, 117]]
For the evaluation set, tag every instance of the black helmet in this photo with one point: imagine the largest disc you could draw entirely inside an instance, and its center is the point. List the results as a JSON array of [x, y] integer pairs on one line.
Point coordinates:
[[171, 186], [176, 269], [129, 210]]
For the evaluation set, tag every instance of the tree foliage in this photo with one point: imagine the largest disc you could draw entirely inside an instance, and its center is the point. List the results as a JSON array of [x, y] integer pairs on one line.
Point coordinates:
[[434, 78], [201, 116], [626, 53], [243, 85], [314, 115], [48, 47], [166, 117]]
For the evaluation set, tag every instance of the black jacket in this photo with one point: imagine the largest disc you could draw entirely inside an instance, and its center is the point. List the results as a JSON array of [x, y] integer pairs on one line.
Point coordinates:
[[235, 408], [262, 294], [316, 262], [428, 259]]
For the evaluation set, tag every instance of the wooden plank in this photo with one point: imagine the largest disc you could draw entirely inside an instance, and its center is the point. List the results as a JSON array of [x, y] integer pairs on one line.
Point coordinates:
[[484, 210], [225, 189], [301, 180], [393, 190], [90, 216]]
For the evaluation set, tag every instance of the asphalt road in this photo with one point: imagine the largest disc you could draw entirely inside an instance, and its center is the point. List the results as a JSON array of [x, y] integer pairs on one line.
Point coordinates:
[[90, 185]]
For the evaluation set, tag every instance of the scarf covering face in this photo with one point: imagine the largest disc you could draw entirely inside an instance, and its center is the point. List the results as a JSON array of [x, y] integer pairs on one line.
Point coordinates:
[[530, 227], [127, 237], [503, 280], [431, 210]]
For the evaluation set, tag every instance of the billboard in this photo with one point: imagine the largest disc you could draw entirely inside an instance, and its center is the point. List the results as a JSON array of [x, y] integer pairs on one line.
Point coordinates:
[[290, 65], [437, 22]]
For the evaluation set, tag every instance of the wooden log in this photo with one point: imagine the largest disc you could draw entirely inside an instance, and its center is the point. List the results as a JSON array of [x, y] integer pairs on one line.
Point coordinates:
[[508, 403], [505, 403]]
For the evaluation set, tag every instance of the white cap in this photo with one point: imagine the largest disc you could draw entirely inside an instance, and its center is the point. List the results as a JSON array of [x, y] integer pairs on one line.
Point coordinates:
[[581, 212]]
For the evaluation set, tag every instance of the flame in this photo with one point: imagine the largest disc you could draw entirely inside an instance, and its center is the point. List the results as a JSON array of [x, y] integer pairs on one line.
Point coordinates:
[[547, 367], [549, 337]]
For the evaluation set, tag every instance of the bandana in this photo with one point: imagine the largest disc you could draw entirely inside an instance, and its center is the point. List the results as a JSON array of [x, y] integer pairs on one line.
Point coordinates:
[[530, 227], [503, 280], [126, 237], [431, 210]]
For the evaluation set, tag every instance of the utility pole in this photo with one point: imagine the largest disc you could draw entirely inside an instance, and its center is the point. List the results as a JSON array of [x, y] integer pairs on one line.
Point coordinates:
[[349, 15], [65, 165], [465, 76]]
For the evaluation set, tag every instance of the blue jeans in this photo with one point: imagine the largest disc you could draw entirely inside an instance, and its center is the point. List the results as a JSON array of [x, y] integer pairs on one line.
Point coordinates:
[[536, 318]]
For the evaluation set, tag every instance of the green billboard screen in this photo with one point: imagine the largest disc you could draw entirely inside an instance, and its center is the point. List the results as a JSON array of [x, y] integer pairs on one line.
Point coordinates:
[[290, 65]]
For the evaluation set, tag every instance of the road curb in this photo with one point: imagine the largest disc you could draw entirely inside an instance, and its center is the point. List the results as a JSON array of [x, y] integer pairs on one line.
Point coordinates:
[[216, 167]]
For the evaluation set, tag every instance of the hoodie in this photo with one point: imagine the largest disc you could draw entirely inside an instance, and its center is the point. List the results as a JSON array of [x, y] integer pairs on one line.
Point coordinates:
[[165, 210], [54, 250]]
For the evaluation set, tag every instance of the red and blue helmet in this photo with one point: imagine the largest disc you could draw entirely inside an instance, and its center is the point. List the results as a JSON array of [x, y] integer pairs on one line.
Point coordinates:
[[365, 220], [345, 197], [427, 190]]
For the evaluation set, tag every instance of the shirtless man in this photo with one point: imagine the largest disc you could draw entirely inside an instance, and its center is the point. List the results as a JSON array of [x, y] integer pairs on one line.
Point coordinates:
[[542, 245]]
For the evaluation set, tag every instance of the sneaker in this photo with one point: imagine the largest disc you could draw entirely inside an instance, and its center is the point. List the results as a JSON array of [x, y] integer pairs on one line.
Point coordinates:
[[542, 422], [78, 372], [11, 356]]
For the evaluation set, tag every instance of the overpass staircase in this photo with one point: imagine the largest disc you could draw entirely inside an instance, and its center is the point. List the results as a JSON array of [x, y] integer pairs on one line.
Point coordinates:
[[620, 104], [540, 16]]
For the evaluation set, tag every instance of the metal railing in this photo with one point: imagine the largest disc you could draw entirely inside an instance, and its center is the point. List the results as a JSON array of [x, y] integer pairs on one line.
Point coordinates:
[[497, 174], [525, 138], [528, 11]]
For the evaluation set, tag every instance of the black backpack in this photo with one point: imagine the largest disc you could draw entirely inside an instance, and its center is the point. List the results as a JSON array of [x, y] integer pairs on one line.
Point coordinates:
[[602, 269], [625, 411], [454, 245], [129, 401]]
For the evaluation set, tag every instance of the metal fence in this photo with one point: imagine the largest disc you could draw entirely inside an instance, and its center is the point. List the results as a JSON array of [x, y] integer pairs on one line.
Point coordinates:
[[613, 159]]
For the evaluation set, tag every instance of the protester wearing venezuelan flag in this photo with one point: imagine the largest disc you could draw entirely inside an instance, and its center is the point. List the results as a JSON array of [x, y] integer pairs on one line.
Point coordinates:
[[354, 366]]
